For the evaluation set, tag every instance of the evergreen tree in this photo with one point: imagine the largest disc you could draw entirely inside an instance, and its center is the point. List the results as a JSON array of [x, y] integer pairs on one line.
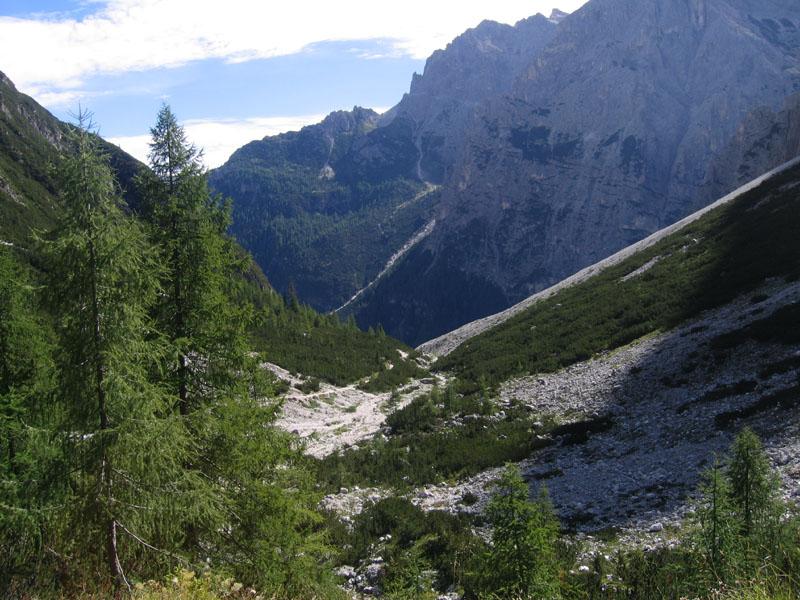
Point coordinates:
[[521, 561], [188, 225], [123, 454], [25, 455], [717, 532], [739, 516], [754, 488], [260, 501]]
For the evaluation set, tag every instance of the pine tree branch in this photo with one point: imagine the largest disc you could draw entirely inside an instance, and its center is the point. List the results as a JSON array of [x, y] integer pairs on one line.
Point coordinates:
[[159, 550]]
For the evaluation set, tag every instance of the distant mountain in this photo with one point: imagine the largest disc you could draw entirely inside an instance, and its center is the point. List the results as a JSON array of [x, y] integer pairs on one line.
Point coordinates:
[[479, 64], [605, 138], [325, 208], [328, 207]]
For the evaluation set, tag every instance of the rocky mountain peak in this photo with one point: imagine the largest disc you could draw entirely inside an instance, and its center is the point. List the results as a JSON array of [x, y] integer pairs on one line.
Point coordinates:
[[342, 121], [556, 16], [479, 64], [604, 138], [6, 81]]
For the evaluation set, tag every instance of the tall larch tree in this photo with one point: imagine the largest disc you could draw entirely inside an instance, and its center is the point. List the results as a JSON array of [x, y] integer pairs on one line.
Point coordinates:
[[262, 521], [124, 455]]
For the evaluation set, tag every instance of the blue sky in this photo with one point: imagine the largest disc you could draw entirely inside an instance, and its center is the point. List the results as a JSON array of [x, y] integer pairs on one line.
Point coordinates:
[[231, 71]]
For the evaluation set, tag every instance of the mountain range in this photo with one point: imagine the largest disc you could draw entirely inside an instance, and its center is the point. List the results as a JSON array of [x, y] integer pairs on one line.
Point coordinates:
[[555, 142]]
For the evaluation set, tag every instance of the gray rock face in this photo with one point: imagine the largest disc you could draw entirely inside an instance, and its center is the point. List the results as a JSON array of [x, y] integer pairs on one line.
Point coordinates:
[[557, 142], [479, 64], [605, 137], [764, 140], [609, 131]]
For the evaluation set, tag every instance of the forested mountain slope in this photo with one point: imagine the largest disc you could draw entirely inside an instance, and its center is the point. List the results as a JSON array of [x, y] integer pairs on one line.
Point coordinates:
[[289, 332], [30, 142], [325, 208]]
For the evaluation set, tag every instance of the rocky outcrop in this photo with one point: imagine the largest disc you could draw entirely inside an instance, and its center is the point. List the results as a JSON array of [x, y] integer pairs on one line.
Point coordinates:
[[764, 140], [479, 64]]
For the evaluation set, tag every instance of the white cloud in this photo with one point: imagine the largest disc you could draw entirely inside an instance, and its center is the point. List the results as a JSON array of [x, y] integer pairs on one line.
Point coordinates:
[[65, 99], [219, 139], [125, 35], [135, 145]]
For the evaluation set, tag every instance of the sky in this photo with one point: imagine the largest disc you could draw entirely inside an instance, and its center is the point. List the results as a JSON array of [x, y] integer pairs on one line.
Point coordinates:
[[234, 70]]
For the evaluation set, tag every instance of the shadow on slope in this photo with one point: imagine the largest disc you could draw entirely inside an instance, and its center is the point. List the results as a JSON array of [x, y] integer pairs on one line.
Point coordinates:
[[728, 252], [726, 288], [443, 298]]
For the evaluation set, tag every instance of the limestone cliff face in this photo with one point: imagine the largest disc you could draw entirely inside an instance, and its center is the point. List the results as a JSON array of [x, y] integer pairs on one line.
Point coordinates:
[[479, 64], [764, 141], [608, 132]]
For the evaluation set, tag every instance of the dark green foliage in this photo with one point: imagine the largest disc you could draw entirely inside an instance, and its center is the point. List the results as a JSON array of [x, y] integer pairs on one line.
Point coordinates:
[[521, 560], [316, 208], [309, 386], [31, 140], [437, 539], [319, 346], [728, 252], [401, 371], [662, 574], [25, 453], [271, 534], [423, 449], [254, 509], [753, 486], [740, 518], [717, 531], [154, 443], [120, 453]]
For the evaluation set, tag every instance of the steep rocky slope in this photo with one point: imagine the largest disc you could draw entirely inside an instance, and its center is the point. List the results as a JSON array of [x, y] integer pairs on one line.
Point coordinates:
[[605, 138], [640, 422], [479, 64], [447, 343], [764, 140]]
